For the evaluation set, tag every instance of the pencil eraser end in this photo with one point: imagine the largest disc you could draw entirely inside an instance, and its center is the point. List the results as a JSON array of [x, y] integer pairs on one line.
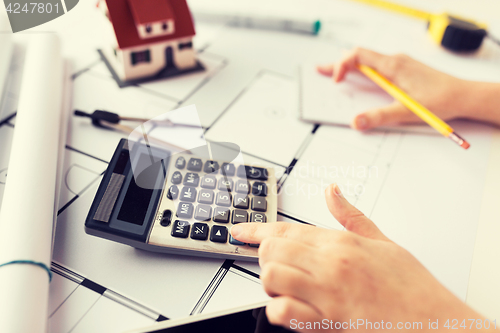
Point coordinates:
[[465, 145]]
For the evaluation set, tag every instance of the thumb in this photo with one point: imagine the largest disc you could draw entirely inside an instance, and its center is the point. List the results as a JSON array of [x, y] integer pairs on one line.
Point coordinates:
[[326, 70], [391, 114], [351, 218]]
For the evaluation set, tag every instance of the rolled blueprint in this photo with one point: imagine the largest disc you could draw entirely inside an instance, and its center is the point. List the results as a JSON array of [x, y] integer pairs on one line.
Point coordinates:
[[6, 47], [27, 213]]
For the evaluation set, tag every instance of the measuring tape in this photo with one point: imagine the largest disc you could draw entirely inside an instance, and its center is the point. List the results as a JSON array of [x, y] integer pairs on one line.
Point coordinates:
[[452, 32]]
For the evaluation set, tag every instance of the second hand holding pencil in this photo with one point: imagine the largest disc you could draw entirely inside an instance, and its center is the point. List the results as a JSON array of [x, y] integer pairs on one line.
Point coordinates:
[[421, 111]]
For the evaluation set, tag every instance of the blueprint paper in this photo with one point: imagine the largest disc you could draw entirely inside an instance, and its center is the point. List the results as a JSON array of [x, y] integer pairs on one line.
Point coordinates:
[[5, 55], [436, 216], [263, 120], [235, 58], [325, 102], [32, 178]]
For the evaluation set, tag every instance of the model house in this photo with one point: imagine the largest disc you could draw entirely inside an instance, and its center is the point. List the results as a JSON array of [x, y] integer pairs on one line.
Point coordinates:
[[148, 38]]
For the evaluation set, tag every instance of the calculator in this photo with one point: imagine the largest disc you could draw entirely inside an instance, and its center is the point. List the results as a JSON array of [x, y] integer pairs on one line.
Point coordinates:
[[180, 203]]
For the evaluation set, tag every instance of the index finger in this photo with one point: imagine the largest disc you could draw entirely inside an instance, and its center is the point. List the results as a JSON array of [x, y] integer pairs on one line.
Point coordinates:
[[358, 56], [254, 233]]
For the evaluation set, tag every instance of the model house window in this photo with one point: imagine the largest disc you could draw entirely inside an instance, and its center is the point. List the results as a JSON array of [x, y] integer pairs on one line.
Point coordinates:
[[148, 28], [188, 45], [165, 26], [142, 56]]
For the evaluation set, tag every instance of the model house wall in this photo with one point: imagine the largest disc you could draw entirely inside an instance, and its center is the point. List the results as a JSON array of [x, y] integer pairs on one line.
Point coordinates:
[[136, 49]]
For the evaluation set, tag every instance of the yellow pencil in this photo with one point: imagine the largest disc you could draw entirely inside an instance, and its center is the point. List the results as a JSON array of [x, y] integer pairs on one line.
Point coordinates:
[[417, 108]]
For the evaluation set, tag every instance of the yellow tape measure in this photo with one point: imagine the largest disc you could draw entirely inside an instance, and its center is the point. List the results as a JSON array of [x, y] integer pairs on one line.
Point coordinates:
[[452, 32]]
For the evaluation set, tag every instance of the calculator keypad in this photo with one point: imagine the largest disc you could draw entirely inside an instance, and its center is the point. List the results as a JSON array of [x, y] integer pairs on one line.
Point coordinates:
[[240, 216], [207, 198], [199, 231], [176, 178], [223, 199], [180, 229], [194, 164], [173, 192], [218, 234], [188, 194], [191, 179]]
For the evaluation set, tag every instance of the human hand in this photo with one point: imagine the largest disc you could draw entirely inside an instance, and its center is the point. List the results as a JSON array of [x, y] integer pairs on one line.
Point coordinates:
[[315, 274], [445, 95]]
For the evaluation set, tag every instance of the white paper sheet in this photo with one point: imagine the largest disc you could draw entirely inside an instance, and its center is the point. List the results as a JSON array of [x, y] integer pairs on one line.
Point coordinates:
[[431, 200], [246, 53], [263, 120], [324, 102], [27, 214]]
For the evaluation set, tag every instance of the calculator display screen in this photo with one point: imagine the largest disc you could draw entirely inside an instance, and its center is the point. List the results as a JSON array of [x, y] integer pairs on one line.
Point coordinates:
[[140, 191], [136, 203]]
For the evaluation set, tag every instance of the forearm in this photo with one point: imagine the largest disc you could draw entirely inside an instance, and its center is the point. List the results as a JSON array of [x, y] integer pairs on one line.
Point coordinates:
[[480, 101]]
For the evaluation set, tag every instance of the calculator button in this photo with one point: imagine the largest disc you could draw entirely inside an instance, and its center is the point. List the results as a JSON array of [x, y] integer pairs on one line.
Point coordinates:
[[241, 201], [199, 231], [228, 169], [242, 186], [260, 189], [203, 213], [206, 197], [188, 194], [180, 229], [251, 172], [208, 182], [226, 184], [173, 192], [259, 204], [223, 199], [211, 167], [185, 210], [221, 214], [191, 179], [180, 163], [194, 164], [234, 241], [257, 217], [240, 216], [176, 178], [218, 234], [166, 218], [253, 245]]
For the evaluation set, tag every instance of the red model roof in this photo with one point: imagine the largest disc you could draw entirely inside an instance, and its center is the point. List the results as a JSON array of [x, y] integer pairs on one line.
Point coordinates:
[[149, 11], [121, 17]]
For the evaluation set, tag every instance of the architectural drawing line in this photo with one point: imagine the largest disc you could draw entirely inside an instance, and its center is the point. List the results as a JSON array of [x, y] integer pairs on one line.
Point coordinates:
[[223, 64], [245, 276], [246, 271], [63, 208], [387, 174], [86, 154], [104, 291], [8, 118], [212, 286], [296, 219], [83, 316], [238, 96], [83, 70]]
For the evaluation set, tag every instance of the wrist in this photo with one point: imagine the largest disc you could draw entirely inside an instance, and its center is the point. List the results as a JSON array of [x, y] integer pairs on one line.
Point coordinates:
[[478, 101]]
